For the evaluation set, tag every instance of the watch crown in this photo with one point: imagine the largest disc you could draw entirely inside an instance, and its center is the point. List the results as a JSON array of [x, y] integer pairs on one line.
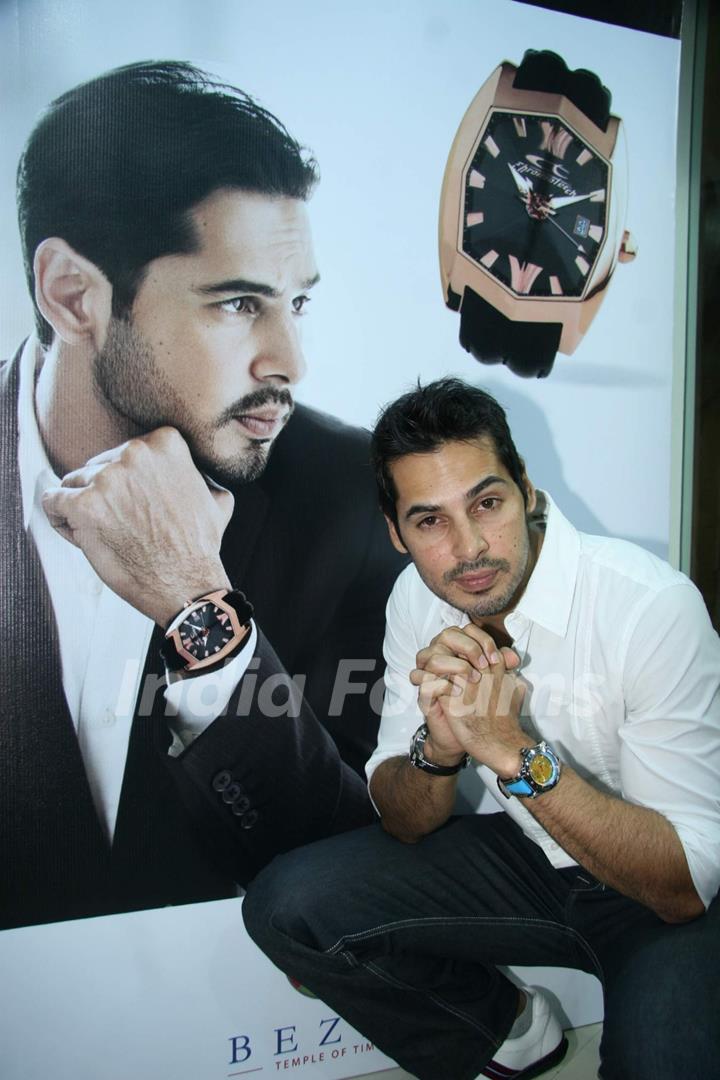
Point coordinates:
[[628, 248]]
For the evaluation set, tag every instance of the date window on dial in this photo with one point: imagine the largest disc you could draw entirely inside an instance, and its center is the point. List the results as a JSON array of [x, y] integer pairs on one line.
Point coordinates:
[[582, 226]]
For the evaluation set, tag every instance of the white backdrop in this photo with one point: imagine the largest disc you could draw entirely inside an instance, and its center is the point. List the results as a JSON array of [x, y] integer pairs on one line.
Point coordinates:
[[377, 90]]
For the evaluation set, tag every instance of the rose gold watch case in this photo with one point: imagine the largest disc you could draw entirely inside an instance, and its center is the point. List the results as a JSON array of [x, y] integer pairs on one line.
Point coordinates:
[[239, 632], [458, 270]]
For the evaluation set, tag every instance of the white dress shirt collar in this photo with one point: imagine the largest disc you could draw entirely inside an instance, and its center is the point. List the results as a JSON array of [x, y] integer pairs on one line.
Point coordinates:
[[35, 471]]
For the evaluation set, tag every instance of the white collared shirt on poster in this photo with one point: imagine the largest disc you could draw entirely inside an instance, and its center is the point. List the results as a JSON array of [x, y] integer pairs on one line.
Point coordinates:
[[103, 640], [622, 667]]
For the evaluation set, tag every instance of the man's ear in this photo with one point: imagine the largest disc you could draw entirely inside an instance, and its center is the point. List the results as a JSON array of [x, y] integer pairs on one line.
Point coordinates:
[[395, 536], [528, 488], [72, 293], [531, 493]]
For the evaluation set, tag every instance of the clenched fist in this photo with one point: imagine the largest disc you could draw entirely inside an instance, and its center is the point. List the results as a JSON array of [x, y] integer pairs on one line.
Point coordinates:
[[147, 521]]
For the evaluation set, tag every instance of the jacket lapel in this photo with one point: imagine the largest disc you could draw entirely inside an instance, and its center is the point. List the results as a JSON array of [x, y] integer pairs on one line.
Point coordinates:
[[48, 817]]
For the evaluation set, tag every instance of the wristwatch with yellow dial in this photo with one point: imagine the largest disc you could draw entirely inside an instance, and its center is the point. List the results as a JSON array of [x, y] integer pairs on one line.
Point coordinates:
[[539, 772]]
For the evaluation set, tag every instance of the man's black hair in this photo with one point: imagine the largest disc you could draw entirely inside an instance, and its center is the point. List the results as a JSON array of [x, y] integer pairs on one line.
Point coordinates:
[[115, 165], [423, 420]]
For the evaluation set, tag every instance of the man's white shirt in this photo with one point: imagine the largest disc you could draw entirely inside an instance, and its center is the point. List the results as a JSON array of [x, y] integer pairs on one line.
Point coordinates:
[[103, 640], [622, 667]]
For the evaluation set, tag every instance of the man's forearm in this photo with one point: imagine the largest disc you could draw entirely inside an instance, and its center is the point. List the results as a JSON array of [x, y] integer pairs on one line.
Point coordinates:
[[411, 802], [631, 848]]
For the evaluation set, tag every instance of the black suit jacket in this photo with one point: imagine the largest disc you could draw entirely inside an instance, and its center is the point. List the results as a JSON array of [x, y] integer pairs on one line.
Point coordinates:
[[308, 546]]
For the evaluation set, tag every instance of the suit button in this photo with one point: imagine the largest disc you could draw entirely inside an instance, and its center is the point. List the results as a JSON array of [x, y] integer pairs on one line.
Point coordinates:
[[248, 820], [240, 805], [221, 781], [232, 792]]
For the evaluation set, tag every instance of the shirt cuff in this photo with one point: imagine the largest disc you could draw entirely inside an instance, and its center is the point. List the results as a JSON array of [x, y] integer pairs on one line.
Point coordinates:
[[194, 703]]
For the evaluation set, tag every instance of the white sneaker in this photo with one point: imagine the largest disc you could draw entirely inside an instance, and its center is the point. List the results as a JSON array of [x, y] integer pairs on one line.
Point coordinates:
[[542, 1046]]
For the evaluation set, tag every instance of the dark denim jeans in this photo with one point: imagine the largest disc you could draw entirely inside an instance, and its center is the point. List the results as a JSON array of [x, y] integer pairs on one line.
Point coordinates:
[[402, 941]]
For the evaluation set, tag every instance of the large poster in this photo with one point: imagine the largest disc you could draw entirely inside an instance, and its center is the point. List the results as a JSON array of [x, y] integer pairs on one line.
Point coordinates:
[[377, 93]]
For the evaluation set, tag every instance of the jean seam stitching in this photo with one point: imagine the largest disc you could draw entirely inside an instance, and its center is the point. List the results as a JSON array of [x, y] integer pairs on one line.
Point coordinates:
[[465, 920], [444, 920]]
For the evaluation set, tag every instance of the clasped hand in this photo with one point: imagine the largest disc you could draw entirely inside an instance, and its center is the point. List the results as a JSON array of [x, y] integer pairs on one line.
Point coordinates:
[[470, 696]]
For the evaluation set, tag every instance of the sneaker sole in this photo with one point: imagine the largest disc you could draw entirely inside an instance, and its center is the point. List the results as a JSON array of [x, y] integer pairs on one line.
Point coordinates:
[[495, 1071]]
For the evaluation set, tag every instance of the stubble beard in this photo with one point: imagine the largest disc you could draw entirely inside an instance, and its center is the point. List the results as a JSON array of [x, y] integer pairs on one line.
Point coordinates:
[[129, 380], [481, 607]]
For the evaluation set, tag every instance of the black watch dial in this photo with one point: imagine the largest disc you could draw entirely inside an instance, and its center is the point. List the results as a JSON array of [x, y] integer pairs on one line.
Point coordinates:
[[205, 631], [535, 205]]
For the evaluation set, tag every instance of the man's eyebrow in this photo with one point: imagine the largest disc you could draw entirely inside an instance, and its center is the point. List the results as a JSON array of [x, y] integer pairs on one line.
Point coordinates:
[[486, 483], [243, 285], [426, 508]]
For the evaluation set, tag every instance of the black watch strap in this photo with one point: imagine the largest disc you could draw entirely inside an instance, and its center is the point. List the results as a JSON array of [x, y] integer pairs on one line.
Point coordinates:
[[527, 348], [240, 603], [545, 71], [419, 761]]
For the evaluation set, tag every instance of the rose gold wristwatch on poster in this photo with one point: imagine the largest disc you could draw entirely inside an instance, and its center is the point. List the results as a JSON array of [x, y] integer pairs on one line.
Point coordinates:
[[207, 632], [532, 212]]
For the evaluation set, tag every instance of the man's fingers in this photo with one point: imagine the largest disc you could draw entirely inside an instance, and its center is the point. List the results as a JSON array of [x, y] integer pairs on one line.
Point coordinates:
[[431, 687], [58, 505], [445, 684], [448, 665], [434, 649], [82, 478], [489, 653], [510, 658], [471, 643]]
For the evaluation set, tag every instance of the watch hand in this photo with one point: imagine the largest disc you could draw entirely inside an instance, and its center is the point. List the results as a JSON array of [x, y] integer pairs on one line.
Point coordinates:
[[559, 201], [569, 237], [523, 185]]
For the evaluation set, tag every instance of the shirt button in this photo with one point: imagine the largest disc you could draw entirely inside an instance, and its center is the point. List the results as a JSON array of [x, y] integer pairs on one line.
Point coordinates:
[[108, 717]]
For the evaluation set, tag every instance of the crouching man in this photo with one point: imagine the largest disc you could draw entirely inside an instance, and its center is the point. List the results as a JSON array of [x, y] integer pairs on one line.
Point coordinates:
[[580, 677]]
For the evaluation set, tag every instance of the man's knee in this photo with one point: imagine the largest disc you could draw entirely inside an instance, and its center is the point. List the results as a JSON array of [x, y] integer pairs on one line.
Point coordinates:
[[662, 1008], [283, 902]]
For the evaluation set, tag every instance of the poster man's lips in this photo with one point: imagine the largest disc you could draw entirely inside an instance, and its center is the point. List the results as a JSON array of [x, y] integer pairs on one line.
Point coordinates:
[[263, 414], [263, 422]]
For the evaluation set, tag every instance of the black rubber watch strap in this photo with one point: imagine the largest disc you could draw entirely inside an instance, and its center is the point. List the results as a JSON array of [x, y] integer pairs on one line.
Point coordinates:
[[547, 72], [238, 600], [527, 348]]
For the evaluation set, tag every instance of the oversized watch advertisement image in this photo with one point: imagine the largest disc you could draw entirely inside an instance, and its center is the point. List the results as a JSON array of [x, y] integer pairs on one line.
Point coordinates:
[[532, 212]]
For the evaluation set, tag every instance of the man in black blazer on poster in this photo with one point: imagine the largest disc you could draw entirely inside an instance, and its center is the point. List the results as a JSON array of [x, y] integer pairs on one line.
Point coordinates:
[[167, 248]]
